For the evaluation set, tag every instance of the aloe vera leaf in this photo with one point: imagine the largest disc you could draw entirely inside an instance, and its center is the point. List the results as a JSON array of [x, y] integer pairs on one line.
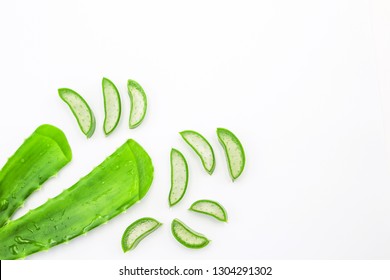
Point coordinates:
[[80, 109], [139, 103], [137, 231], [145, 167], [112, 106], [40, 157], [110, 188]]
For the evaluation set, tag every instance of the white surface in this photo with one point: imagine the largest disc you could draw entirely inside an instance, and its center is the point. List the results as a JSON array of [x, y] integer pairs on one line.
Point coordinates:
[[295, 80]]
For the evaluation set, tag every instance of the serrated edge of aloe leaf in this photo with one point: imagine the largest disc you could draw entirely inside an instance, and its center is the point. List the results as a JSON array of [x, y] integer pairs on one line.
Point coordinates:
[[90, 132], [105, 106], [173, 150], [233, 136], [136, 223], [182, 133], [191, 231], [132, 83], [225, 219]]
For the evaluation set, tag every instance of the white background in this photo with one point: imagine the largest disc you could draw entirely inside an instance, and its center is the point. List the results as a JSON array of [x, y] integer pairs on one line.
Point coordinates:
[[297, 81]]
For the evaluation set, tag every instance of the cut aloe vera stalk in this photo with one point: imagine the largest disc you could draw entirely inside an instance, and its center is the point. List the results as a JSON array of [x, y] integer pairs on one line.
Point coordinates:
[[138, 231], [111, 188], [187, 236], [80, 109], [145, 167], [201, 147], [179, 177], [211, 208], [234, 152], [139, 103], [40, 157], [112, 106]]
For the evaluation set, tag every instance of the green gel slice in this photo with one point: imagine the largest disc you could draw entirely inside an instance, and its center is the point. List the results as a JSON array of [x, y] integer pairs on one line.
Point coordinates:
[[112, 106], [211, 208], [138, 231], [139, 103], [201, 147], [187, 236], [179, 177], [234, 152], [80, 109]]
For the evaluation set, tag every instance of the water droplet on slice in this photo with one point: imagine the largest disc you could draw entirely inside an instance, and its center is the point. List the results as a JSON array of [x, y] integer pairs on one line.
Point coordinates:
[[22, 240], [14, 249], [4, 204]]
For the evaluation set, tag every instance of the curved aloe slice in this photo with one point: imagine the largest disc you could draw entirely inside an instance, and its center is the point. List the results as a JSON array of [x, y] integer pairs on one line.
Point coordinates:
[[112, 106], [187, 236], [211, 208], [179, 177], [202, 147], [138, 231], [234, 152], [40, 157], [107, 191], [139, 103], [80, 110]]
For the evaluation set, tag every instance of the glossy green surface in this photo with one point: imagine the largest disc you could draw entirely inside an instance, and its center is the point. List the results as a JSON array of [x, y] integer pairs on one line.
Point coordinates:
[[40, 157], [110, 188]]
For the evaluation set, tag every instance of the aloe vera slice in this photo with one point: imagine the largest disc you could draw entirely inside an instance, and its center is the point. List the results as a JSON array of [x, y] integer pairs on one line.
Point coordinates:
[[110, 188], [40, 157], [112, 106], [139, 103], [179, 177], [80, 109], [201, 147], [234, 152], [187, 236], [138, 231], [211, 208]]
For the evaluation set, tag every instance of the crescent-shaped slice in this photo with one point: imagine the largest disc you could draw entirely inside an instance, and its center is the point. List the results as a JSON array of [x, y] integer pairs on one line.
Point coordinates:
[[112, 106], [234, 152], [139, 103], [80, 109], [201, 147], [187, 236], [138, 231]]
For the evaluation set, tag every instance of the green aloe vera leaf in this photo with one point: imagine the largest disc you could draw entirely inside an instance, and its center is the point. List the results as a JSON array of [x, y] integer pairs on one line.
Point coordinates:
[[145, 167], [80, 109], [110, 188], [112, 106], [234, 151], [137, 231], [179, 177], [139, 103], [40, 157], [201, 147], [187, 236], [210, 208]]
